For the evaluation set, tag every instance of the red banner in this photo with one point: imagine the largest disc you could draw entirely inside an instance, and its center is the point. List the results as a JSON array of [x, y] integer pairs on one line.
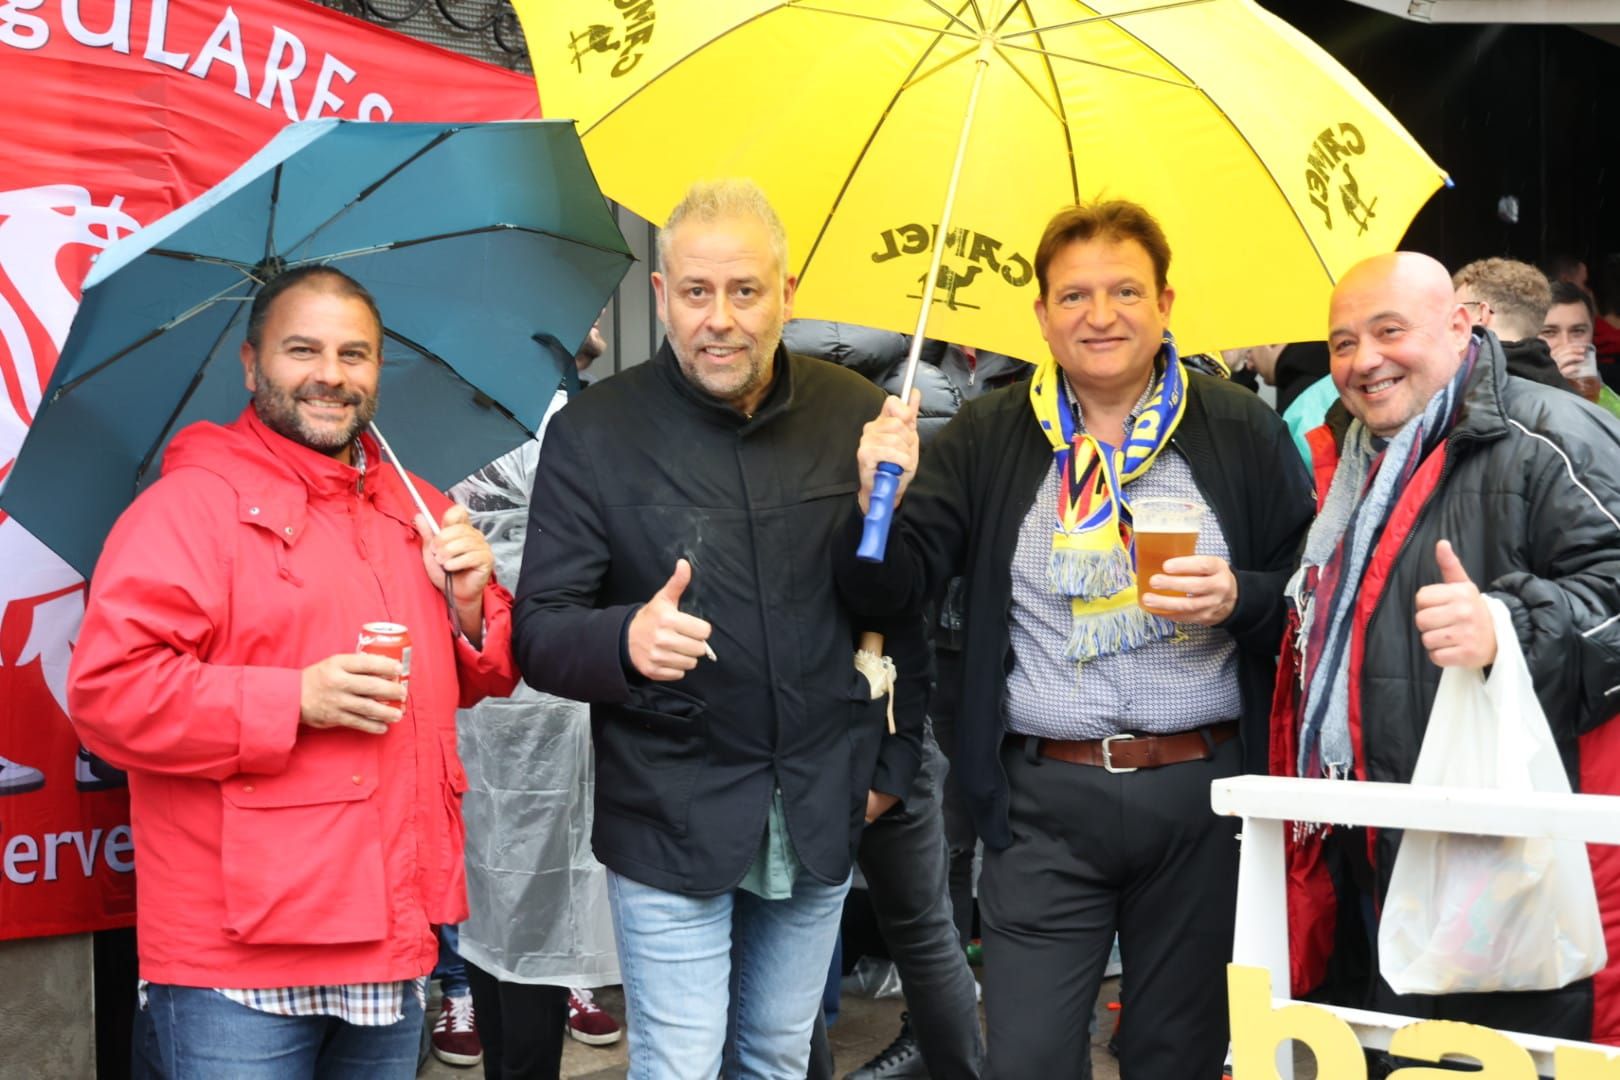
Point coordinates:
[[120, 111]]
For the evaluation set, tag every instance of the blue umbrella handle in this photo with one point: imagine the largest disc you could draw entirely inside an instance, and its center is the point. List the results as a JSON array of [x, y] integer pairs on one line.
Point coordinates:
[[879, 513]]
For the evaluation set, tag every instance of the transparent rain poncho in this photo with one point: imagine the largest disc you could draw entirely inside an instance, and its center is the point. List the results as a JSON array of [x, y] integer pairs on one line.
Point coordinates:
[[538, 898]]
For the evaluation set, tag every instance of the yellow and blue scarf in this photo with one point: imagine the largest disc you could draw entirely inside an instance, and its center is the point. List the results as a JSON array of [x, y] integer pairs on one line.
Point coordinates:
[[1092, 560]]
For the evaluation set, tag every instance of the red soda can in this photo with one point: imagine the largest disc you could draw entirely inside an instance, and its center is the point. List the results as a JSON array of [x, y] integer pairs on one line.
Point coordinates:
[[389, 639]]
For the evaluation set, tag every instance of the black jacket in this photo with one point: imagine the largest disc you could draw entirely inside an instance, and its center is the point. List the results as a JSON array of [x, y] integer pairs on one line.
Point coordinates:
[[1527, 489], [974, 486], [642, 471], [1531, 359], [1528, 495]]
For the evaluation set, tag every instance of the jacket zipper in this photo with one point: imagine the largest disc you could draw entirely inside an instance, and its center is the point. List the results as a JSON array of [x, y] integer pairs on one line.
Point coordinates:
[[1406, 542]]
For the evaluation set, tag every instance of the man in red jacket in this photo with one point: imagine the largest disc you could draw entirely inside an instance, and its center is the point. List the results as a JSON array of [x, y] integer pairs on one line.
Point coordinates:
[[296, 813]]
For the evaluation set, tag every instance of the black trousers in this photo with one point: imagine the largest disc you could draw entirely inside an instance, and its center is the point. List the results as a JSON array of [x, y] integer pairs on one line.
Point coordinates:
[[961, 837], [903, 857], [1094, 852], [522, 1026]]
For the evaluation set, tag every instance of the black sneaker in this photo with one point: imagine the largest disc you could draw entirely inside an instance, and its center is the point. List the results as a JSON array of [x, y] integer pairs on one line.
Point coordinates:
[[900, 1060]]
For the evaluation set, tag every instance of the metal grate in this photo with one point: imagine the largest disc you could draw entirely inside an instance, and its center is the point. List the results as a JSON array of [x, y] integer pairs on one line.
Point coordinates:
[[486, 30]]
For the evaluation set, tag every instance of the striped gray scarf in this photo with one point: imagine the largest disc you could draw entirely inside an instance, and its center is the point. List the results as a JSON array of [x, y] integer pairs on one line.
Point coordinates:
[[1366, 487]]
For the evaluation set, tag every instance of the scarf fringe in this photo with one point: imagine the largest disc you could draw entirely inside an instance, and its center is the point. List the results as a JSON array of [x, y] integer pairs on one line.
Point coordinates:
[[1118, 631], [1089, 575]]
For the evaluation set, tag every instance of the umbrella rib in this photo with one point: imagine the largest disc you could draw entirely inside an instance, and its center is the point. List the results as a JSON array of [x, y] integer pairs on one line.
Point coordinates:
[[166, 327], [937, 68], [1005, 15], [367, 191], [191, 388], [1055, 109], [1184, 83], [949, 14], [1057, 98], [437, 359], [1260, 160], [1151, 9], [275, 203], [395, 245], [849, 177], [213, 260]]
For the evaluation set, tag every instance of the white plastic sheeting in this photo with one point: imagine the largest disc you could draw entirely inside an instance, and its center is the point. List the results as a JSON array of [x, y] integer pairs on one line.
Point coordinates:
[[539, 907]]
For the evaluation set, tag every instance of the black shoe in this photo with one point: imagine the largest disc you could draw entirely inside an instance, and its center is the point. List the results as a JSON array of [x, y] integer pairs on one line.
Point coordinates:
[[900, 1060]]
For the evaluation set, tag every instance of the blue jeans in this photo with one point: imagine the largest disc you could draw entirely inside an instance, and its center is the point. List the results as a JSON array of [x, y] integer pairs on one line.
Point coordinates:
[[676, 956], [451, 970], [204, 1035]]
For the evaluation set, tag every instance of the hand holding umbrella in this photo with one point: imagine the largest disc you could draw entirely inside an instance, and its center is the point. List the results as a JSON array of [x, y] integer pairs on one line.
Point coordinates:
[[458, 559], [887, 456]]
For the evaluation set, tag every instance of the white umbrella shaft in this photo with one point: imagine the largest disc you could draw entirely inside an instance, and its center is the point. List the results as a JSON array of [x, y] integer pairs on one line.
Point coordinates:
[[982, 65], [416, 496]]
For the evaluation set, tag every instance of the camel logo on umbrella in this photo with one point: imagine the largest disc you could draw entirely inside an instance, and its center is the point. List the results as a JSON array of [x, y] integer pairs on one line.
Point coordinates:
[[638, 17], [982, 252], [1328, 160]]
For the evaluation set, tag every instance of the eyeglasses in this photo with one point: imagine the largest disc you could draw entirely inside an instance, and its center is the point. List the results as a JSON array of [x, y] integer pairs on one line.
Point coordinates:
[[1484, 308]]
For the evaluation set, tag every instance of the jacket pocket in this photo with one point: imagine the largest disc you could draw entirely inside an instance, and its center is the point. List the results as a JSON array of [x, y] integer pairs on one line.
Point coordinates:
[[301, 854], [648, 756], [868, 723]]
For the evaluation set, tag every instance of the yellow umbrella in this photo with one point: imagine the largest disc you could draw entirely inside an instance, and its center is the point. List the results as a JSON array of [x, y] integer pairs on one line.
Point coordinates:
[[868, 122]]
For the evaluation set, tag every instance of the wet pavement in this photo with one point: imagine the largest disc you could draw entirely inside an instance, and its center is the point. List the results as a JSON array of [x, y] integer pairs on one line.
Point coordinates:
[[865, 1026]]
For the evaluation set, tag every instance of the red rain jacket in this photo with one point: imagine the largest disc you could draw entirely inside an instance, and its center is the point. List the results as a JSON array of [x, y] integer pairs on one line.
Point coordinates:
[[267, 853]]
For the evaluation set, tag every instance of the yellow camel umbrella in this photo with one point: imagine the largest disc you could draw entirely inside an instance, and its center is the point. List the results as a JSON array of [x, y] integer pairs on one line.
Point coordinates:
[[868, 122]]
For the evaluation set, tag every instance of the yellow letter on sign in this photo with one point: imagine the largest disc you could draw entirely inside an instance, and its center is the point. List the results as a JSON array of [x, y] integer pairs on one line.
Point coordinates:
[[1258, 1029], [1432, 1040], [1573, 1064]]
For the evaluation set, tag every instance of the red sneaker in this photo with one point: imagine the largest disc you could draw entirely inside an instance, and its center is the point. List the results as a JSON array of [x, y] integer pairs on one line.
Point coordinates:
[[588, 1023], [455, 1033]]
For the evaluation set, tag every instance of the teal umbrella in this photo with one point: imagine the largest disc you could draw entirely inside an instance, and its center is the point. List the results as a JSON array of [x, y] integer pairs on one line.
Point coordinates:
[[478, 241]]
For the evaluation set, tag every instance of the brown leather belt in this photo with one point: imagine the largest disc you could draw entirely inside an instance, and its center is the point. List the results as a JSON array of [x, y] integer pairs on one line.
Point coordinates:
[[1127, 753]]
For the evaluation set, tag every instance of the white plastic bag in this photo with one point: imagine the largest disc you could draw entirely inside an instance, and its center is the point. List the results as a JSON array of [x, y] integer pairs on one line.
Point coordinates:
[[1487, 913]]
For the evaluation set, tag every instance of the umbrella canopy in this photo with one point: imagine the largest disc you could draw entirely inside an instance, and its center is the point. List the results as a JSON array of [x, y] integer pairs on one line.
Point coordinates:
[[1270, 167], [474, 238]]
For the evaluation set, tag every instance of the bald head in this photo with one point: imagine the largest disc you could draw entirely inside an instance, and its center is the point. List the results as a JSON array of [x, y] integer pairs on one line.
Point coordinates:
[[1397, 336], [1415, 275]]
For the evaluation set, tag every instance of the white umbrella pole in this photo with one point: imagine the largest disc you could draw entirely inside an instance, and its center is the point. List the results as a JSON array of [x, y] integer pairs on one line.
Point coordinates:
[[982, 62], [880, 504], [416, 496], [421, 505]]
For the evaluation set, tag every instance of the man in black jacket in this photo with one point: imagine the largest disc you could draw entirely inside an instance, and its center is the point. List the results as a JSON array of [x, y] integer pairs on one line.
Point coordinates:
[[1091, 728], [676, 576]]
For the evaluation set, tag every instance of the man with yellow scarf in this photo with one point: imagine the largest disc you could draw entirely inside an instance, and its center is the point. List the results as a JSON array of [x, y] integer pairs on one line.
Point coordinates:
[[1090, 727]]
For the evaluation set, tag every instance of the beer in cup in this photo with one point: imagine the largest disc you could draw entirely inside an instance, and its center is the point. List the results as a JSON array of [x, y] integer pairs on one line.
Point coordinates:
[[1162, 528]]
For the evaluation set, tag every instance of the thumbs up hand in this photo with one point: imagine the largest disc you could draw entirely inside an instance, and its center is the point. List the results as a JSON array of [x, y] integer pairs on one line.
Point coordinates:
[[1452, 617], [664, 643]]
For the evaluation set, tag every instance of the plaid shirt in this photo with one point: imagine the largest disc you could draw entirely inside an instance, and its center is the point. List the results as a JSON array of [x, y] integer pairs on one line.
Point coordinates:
[[1164, 687], [361, 1004]]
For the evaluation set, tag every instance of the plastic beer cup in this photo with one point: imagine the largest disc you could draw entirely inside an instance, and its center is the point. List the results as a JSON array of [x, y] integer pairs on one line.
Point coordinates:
[[1162, 528]]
